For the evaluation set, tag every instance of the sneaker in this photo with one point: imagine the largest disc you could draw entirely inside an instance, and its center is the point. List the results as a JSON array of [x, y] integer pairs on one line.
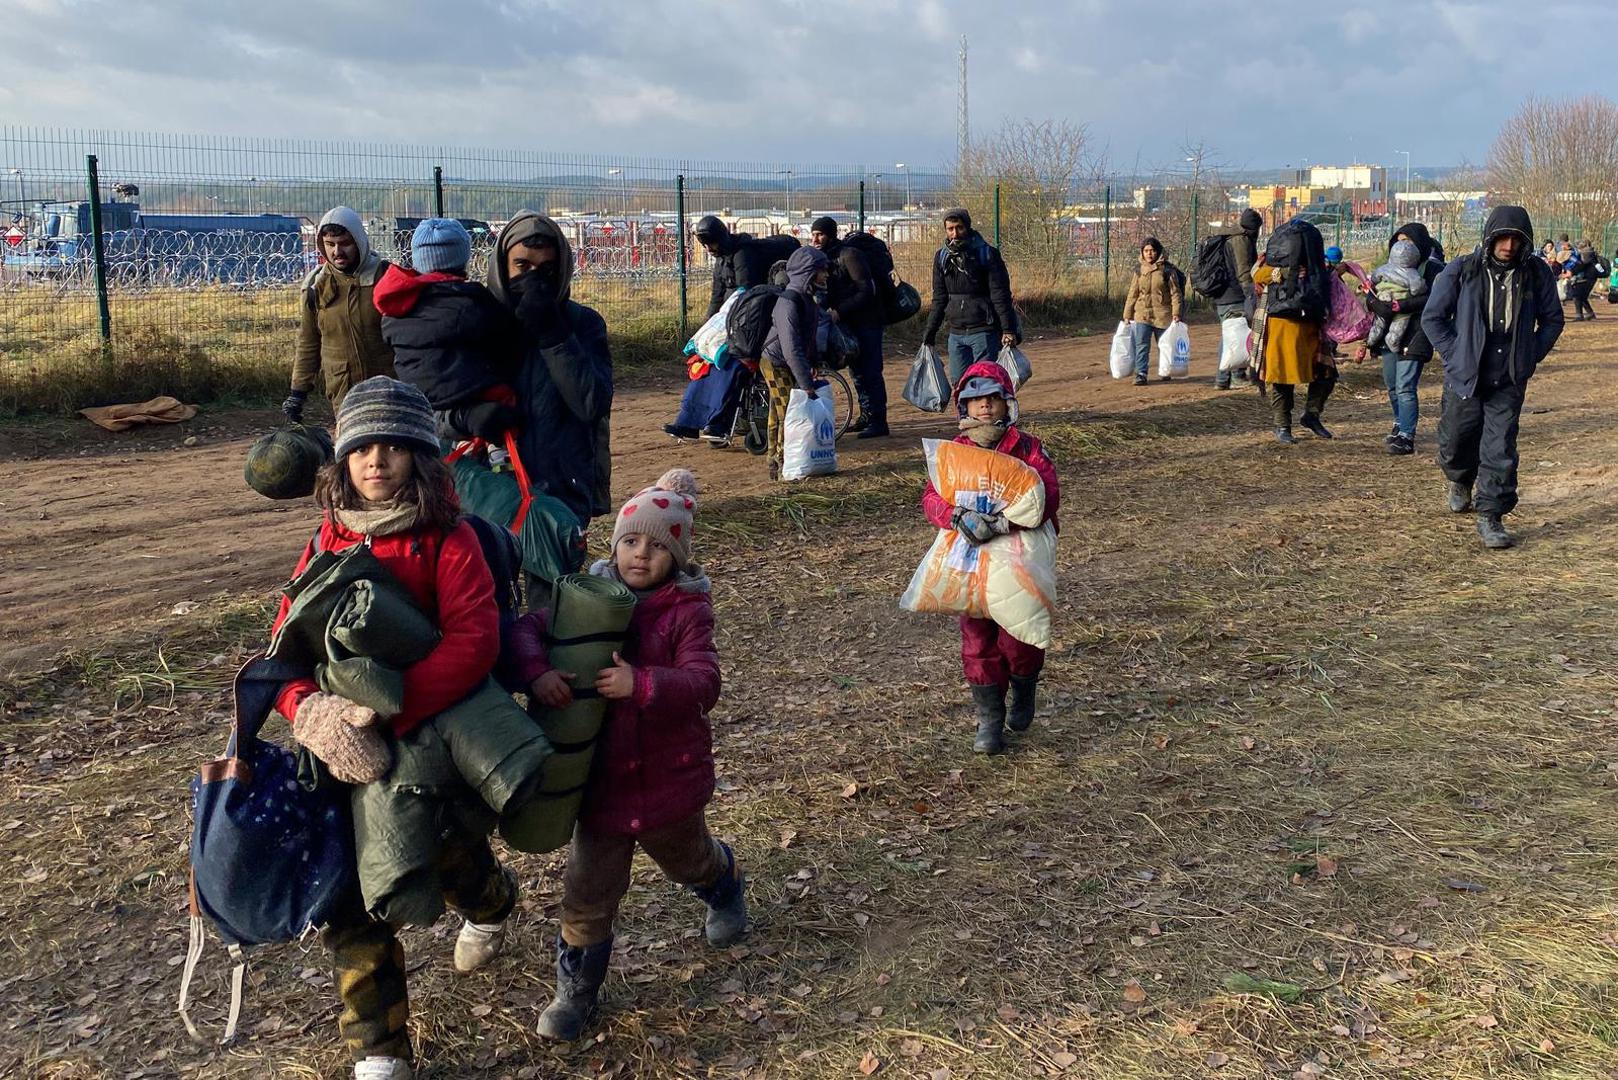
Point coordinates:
[[1493, 532], [1460, 498], [873, 431], [1319, 430], [383, 1068], [1400, 445], [499, 460], [675, 431], [1140, 380], [861, 422], [1284, 436], [477, 944], [1221, 386], [1388, 439]]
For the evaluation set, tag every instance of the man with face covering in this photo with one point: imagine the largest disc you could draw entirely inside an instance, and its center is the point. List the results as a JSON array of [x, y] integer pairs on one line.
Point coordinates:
[[564, 369], [971, 290], [340, 329], [1492, 316], [791, 354]]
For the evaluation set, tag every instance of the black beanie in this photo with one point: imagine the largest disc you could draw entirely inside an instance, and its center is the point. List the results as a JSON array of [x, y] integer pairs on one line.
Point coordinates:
[[825, 225], [1251, 221], [959, 214]]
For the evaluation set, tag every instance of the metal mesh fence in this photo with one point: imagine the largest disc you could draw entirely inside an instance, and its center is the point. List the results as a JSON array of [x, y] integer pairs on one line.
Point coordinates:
[[205, 241]]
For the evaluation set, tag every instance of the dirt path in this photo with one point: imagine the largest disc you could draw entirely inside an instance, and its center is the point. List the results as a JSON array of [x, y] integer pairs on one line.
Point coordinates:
[[98, 531]]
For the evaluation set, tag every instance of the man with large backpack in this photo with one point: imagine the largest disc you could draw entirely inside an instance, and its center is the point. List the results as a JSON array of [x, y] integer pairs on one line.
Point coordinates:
[[854, 302], [339, 329], [1492, 316], [972, 290], [790, 354], [1222, 271]]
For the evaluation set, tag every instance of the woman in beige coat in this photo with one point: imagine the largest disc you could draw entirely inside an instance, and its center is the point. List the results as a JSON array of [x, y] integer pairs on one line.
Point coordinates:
[[1155, 298]]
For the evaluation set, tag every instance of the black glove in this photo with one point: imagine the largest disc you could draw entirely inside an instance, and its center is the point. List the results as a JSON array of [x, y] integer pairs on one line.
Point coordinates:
[[488, 420], [293, 405], [974, 526], [1378, 306], [539, 306], [931, 341]]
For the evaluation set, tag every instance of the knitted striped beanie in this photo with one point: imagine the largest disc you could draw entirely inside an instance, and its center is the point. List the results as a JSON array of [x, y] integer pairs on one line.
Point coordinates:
[[384, 410]]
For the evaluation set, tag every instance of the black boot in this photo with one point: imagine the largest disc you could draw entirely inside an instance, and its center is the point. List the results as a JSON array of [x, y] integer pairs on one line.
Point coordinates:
[[1493, 532], [579, 975], [1284, 436], [875, 429], [861, 422], [1020, 713], [991, 703], [1460, 497], [676, 431], [727, 903], [1312, 422]]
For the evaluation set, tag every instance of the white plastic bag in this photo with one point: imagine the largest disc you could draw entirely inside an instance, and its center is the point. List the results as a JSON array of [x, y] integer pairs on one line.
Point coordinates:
[[1561, 289], [927, 388], [1016, 365], [1233, 344], [808, 437], [1174, 352], [710, 340], [1122, 357]]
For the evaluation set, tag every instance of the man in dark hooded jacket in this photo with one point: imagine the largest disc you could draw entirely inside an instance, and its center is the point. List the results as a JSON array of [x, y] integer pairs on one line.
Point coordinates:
[[852, 304], [1492, 316], [1237, 301], [740, 260], [564, 368], [1402, 367], [971, 290]]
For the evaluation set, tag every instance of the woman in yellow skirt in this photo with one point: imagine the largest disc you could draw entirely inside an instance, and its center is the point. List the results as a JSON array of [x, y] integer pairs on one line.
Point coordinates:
[[1291, 355]]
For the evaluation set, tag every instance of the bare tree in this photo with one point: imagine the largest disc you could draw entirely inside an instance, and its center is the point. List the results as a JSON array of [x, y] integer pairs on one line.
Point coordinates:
[[1558, 158], [1039, 166]]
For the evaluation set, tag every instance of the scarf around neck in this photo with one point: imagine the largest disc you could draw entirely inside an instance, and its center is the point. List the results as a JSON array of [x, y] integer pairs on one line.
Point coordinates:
[[983, 433], [378, 519]]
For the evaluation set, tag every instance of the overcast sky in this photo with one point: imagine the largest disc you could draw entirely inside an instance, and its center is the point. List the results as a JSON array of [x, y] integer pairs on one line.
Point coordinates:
[[856, 81]]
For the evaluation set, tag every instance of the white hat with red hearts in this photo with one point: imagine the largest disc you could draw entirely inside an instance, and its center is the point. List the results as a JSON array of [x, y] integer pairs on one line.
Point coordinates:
[[666, 512]]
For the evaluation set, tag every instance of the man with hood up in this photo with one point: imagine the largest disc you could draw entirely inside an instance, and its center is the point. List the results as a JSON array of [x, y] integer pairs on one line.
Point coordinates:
[[972, 290], [791, 353], [1492, 316], [564, 367], [1238, 299], [340, 329], [1402, 366], [852, 303]]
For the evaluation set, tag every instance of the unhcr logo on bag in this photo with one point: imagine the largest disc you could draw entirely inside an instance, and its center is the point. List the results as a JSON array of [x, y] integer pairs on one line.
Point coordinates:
[[825, 430]]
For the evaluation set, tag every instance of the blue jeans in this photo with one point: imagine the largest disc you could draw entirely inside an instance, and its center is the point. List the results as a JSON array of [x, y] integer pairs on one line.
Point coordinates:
[[1401, 377], [1142, 336], [966, 350]]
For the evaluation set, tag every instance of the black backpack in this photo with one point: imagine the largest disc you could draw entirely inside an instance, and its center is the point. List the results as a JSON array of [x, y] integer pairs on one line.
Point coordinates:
[[1297, 246], [749, 321], [893, 294], [1211, 267]]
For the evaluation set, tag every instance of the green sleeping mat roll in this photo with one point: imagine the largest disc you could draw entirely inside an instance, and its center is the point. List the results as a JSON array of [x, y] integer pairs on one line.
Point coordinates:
[[589, 617]]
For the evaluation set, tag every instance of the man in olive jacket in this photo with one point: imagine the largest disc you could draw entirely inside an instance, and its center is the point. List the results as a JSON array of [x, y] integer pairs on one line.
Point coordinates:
[[1237, 301], [340, 332]]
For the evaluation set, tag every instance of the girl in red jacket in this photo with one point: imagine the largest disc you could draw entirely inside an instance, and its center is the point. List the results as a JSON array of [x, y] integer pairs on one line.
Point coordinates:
[[987, 404], [388, 488], [653, 771]]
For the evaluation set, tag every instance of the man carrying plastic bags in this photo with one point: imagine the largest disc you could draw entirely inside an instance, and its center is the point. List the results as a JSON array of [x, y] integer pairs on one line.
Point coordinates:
[[927, 388], [809, 441]]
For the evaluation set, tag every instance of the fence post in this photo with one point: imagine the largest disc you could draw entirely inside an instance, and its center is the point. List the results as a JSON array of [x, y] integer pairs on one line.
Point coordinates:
[[862, 206], [997, 215], [438, 191], [1106, 242], [98, 245], [679, 215]]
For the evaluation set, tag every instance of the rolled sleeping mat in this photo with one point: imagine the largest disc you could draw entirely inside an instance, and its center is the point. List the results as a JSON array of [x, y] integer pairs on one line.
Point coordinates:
[[589, 618], [283, 464], [379, 619], [498, 749]]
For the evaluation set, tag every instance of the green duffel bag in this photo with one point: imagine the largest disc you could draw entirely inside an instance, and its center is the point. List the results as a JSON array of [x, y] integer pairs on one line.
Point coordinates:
[[283, 464], [551, 537], [589, 617], [378, 618], [315, 594]]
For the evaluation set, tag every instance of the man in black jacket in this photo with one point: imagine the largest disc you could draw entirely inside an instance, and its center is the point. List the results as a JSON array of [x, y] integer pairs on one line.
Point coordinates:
[[1402, 367], [973, 291], [1492, 316], [852, 304], [740, 261], [1237, 301]]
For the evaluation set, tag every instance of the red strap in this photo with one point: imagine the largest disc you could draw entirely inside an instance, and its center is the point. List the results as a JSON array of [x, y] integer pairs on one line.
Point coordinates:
[[524, 489]]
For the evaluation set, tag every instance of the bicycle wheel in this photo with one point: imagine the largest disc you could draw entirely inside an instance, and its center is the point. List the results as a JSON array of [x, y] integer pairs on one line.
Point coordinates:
[[844, 404], [753, 415]]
